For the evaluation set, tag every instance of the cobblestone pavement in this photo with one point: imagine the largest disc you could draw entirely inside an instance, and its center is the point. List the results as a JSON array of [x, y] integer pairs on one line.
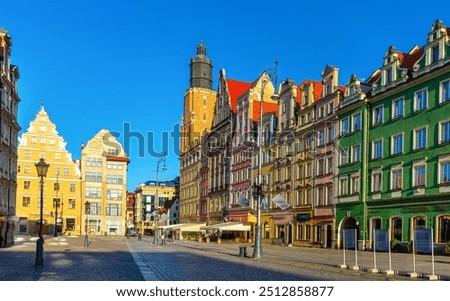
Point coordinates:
[[65, 259], [121, 259], [193, 261]]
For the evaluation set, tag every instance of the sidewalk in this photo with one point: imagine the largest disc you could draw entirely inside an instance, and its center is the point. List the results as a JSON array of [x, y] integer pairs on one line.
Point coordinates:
[[402, 264]]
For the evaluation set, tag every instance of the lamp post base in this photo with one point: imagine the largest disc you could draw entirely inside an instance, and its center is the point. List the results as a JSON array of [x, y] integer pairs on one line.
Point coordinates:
[[86, 241], [39, 252]]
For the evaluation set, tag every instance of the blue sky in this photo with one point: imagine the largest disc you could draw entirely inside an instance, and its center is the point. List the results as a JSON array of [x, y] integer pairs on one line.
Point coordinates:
[[117, 64]]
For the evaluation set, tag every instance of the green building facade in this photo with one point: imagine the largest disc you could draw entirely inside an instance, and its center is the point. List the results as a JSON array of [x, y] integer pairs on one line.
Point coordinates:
[[405, 163]]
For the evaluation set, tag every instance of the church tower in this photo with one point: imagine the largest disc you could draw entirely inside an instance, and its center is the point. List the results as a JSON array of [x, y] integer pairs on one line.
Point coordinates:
[[201, 69], [199, 100], [199, 103]]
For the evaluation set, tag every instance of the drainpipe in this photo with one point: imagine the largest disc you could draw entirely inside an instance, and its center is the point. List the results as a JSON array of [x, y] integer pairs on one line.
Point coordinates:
[[365, 173]]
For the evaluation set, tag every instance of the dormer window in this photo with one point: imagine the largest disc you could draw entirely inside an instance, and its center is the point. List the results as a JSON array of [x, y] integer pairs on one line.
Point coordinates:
[[435, 54], [389, 75], [305, 99]]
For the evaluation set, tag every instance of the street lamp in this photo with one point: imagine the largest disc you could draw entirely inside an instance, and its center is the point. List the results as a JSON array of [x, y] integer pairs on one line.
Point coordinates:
[[161, 159], [87, 211], [257, 190], [56, 205], [42, 169]]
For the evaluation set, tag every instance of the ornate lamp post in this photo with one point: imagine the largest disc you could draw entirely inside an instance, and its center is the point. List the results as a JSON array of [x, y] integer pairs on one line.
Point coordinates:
[[55, 234], [87, 209], [257, 188], [258, 195], [161, 159], [42, 169]]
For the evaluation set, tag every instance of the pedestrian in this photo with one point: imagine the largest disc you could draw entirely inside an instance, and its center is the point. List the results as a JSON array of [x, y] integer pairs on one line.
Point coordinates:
[[139, 235]]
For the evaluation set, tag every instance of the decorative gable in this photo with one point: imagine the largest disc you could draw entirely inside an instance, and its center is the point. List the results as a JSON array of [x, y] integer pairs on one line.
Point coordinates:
[[436, 51], [329, 80]]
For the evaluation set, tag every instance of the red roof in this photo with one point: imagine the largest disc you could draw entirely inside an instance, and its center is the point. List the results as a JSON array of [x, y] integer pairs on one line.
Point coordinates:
[[235, 89], [113, 158], [267, 108], [408, 60]]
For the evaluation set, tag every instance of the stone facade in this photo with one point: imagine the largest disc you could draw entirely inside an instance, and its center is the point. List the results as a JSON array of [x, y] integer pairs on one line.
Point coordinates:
[[9, 129]]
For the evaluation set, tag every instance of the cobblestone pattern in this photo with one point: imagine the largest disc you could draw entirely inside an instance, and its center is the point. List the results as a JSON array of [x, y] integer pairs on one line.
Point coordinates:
[[122, 259], [65, 259]]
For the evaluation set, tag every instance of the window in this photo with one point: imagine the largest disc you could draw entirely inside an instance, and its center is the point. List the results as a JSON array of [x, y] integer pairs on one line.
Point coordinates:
[[114, 209], [26, 200], [445, 132], [445, 91], [322, 112], [330, 165], [397, 228], [378, 115], [419, 222], [93, 192], [397, 108], [377, 149], [330, 108], [95, 208], [420, 138], [72, 187], [355, 185], [376, 181], [321, 137], [320, 169], [397, 144], [343, 186], [356, 156], [356, 122], [26, 184], [344, 156], [344, 126], [388, 73], [330, 134], [435, 54], [72, 203], [444, 228], [114, 194], [396, 177], [444, 176], [329, 195], [419, 174], [320, 196], [420, 100]]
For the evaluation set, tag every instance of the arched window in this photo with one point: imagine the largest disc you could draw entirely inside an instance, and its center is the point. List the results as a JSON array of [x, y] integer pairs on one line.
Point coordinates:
[[375, 224], [266, 230], [397, 228], [419, 222], [444, 228]]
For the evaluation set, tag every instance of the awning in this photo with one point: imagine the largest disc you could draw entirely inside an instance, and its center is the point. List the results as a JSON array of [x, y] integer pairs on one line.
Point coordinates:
[[230, 226], [169, 227], [183, 227], [189, 227]]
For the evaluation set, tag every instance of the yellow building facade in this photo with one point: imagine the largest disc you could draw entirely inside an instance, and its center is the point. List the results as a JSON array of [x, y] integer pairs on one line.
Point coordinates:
[[62, 201], [104, 185]]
